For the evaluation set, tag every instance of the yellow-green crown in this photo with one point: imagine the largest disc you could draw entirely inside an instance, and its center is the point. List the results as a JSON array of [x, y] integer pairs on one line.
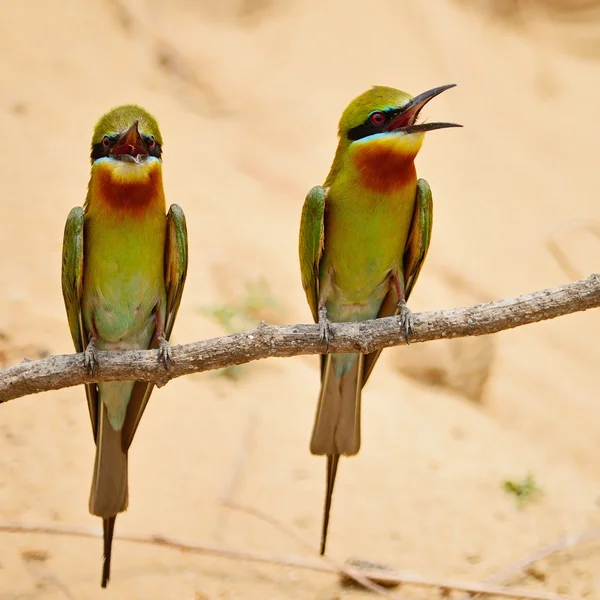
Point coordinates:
[[120, 118], [379, 97]]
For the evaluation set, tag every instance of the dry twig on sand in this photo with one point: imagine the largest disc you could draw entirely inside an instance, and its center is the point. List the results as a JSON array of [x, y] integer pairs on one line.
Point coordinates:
[[226, 499], [519, 567], [295, 562]]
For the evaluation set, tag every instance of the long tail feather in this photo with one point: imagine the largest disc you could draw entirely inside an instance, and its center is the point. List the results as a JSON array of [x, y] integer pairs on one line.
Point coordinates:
[[108, 525], [332, 465], [337, 422], [109, 494]]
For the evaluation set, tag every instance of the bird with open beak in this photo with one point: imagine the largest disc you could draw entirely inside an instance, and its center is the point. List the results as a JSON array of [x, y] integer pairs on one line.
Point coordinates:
[[364, 236], [124, 265]]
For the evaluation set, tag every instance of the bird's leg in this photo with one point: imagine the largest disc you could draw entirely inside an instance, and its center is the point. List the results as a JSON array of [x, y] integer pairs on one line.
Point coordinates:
[[90, 356], [325, 326], [407, 321], [164, 348]]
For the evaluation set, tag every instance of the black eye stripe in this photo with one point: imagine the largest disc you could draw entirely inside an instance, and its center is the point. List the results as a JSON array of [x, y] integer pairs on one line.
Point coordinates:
[[369, 128], [100, 151], [156, 151]]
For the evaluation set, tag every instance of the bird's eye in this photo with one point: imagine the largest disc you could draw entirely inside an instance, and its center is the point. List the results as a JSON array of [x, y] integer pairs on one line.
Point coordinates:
[[378, 118], [106, 141], [151, 142]]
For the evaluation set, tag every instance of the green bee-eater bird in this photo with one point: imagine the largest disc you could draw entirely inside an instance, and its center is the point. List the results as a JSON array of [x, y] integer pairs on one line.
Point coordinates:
[[124, 265], [364, 237]]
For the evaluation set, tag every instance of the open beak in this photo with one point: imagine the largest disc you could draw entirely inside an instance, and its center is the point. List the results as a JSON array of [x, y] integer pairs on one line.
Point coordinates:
[[405, 120], [130, 146]]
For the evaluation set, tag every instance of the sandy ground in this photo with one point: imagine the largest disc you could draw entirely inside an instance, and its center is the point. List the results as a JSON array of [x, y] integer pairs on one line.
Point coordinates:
[[248, 94]]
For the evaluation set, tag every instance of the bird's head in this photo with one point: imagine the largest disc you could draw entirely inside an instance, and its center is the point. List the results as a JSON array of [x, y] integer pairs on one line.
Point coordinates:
[[380, 135], [127, 142], [383, 111]]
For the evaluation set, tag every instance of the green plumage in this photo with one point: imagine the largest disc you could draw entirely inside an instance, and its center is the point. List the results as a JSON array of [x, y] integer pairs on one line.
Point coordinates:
[[364, 237], [119, 119], [124, 266]]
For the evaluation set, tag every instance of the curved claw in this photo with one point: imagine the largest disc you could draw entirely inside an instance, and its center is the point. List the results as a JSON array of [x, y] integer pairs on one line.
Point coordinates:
[[325, 327], [407, 321], [90, 357], [326, 334], [165, 354]]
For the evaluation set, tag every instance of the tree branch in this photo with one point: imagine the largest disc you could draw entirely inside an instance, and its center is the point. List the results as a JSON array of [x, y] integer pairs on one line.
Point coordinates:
[[56, 372]]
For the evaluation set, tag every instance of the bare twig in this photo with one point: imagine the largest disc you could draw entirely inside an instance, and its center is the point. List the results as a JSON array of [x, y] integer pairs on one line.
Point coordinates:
[[560, 545], [36, 564], [233, 482], [518, 568], [56, 372], [296, 562], [226, 499], [240, 463], [334, 565]]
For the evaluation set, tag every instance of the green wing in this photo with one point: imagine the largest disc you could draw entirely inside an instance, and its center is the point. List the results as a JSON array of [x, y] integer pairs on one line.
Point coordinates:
[[415, 252], [312, 239], [176, 265], [419, 237], [72, 288]]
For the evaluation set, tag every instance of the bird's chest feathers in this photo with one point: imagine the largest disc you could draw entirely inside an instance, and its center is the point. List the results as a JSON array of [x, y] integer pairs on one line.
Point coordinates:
[[383, 166], [365, 237], [124, 237], [123, 191]]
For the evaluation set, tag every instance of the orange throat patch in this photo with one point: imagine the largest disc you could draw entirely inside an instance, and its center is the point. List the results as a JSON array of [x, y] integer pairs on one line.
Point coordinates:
[[128, 194], [384, 168]]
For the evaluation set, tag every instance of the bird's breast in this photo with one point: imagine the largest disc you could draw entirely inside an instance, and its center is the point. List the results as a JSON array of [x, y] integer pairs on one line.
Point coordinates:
[[383, 170], [126, 188], [123, 270], [384, 164], [365, 236]]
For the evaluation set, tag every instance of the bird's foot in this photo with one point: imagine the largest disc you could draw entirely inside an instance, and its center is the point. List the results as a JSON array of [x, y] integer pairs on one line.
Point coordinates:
[[90, 356], [165, 354], [325, 327], [407, 321]]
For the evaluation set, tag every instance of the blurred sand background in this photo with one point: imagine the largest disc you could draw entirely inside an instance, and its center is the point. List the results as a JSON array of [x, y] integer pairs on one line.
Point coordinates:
[[248, 94]]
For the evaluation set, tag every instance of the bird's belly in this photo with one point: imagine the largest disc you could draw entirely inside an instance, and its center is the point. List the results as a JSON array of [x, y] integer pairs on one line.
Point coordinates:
[[364, 248], [359, 280], [125, 326], [121, 307], [359, 275], [357, 302], [123, 280]]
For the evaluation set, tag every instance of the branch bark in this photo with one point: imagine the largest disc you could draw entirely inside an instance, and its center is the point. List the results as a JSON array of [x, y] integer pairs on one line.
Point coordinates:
[[265, 341]]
